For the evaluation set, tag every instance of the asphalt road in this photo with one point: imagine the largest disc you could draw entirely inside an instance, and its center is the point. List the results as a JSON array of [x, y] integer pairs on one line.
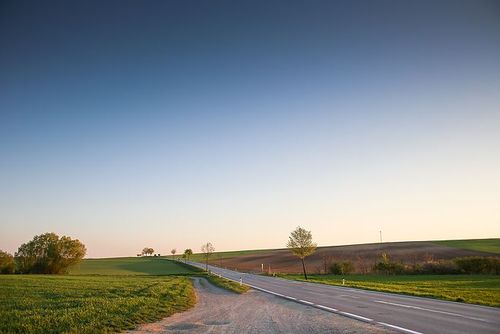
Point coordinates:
[[407, 314]]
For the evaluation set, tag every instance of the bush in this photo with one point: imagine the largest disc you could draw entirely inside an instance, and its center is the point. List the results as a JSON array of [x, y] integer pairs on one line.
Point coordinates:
[[7, 264], [342, 268], [478, 265], [385, 266], [443, 267], [49, 254]]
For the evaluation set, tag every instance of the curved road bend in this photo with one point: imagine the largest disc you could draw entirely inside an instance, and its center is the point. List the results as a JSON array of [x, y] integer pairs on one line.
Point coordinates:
[[406, 314]]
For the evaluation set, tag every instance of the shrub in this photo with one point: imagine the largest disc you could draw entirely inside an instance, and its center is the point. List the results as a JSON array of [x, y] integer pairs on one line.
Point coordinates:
[[342, 268], [385, 266], [442, 267], [478, 265], [7, 264]]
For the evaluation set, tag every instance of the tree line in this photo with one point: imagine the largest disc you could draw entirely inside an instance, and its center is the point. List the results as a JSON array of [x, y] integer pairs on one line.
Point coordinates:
[[44, 254]]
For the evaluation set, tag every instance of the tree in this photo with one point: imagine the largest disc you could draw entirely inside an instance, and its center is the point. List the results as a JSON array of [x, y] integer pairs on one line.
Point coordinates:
[[207, 250], [173, 251], [49, 254], [301, 245], [7, 264], [148, 251], [187, 253]]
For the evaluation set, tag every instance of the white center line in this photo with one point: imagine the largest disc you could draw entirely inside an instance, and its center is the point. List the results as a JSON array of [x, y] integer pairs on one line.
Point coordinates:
[[430, 310]]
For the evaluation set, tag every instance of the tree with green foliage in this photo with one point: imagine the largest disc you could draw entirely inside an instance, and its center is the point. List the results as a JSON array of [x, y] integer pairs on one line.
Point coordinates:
[[187, 253], [49, 254], [207, 250], [7, 263], [301, 245], [173, 251]]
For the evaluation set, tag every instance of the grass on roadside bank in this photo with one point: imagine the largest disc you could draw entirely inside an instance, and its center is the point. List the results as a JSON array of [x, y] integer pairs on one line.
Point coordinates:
[[474, 289], [89, 304], [227, 284]]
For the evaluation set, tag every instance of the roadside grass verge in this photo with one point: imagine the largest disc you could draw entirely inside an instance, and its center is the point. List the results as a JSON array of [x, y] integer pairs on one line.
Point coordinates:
[[227, 284], [482, 245], [473, 289], [89, 304]]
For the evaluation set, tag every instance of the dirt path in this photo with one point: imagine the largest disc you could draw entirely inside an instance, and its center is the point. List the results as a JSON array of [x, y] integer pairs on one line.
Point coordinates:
[[220, 311]]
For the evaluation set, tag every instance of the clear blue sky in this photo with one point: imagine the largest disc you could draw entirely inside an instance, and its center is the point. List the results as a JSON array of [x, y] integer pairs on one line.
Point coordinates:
[[171, 123]]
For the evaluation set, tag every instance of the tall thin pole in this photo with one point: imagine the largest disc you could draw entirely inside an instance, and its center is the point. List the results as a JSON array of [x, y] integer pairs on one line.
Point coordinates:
[[380, 236]]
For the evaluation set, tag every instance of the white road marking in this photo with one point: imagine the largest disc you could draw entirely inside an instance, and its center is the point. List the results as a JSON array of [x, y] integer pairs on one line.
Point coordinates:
[[430, 310], [327, 308], [306, 302], [406, 330], [356, 316]]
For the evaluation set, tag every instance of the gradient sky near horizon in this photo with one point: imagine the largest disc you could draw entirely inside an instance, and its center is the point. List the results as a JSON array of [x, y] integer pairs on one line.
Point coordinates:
[[167, 124]]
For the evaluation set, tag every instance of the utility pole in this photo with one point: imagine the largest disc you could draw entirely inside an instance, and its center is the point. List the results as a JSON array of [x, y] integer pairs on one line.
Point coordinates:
[[380, 236]]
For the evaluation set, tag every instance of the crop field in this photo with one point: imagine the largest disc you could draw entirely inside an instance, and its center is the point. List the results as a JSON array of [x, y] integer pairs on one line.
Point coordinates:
[[474, 289], [482, 245], [130, 266], [362, 255], [88, 304]]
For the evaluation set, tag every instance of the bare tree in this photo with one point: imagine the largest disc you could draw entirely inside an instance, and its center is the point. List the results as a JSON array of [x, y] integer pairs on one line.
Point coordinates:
[[173, 251], [207, 250], [301, 245]]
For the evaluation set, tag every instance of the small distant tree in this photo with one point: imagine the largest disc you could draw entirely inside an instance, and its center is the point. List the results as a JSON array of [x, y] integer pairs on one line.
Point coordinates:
[[301, 245], [173, 251], [147, 251], [49, 254], [207, 250], [187, 253], [7, 264]]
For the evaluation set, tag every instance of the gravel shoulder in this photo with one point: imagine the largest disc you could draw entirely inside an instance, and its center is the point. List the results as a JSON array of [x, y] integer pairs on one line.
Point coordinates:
[[220, 311]]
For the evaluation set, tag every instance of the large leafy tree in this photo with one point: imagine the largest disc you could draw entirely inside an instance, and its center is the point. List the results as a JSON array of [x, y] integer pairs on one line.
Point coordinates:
[[301, 245], [49, 254]]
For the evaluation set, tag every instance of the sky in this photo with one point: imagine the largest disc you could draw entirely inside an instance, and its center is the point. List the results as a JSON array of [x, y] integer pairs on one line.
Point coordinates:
[[168, 124]]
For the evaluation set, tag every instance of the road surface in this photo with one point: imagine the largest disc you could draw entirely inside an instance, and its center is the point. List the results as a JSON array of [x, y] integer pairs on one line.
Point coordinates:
[[218, 311], [407, 314]]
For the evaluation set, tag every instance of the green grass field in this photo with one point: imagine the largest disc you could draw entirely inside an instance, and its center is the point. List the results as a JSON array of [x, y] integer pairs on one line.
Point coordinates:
[[482, 245], [474, 289], [88, 304], [198, 257], [130, 266]]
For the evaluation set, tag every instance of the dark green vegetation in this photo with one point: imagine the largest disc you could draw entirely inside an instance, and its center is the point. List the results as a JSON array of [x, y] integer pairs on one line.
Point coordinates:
[[46, 254], [88, 304], [475, 289], [131, 266], [482, 245], [7, 263], [227, 284]]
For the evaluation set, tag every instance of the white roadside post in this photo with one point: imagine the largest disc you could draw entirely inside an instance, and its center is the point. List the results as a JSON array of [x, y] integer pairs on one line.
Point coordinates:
[[343, 281]]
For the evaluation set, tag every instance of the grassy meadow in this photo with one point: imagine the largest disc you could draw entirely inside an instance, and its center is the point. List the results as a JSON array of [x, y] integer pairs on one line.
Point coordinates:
[[147, 265], [100, 296], [88, 304], [474, 289], [482, 245]]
